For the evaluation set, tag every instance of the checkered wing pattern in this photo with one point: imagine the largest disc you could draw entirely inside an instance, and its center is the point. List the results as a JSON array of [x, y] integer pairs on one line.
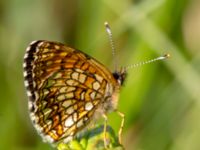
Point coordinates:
[[66, 89]]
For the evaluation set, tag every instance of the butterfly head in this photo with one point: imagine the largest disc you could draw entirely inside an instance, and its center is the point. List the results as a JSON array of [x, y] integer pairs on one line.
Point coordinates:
[[120, 75]]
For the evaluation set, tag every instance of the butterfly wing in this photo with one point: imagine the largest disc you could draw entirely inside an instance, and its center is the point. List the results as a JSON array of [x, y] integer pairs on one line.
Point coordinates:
[[65, 88]]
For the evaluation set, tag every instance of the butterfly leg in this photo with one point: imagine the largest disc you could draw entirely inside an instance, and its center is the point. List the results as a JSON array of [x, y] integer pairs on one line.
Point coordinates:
[[121, 126], [104, 130]]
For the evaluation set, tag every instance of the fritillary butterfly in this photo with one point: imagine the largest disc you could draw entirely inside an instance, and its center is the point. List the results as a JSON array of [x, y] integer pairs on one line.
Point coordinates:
[[67, 89]]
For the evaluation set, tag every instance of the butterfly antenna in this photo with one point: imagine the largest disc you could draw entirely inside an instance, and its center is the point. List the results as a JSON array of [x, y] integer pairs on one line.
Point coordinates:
[[108, 30], [148, 61]]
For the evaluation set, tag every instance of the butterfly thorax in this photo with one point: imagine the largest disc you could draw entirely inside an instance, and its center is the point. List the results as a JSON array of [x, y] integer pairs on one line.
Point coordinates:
[[112, 91]]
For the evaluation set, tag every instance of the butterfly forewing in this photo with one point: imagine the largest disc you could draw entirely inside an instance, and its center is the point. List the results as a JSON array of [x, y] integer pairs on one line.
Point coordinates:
[[66, 88]]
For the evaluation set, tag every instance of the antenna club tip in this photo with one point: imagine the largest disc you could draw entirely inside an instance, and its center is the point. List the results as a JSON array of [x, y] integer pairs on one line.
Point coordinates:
[[108, 28], [106, 23], [167, 55]]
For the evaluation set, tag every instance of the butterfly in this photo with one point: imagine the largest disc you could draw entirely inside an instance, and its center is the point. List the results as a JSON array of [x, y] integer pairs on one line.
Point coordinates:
[[68, 89]]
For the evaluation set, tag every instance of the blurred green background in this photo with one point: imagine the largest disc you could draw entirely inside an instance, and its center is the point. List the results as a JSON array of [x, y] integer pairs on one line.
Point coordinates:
[[160, 100]]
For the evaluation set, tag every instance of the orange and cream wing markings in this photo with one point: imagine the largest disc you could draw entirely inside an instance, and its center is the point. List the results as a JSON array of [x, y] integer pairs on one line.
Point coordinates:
[[65, 88]]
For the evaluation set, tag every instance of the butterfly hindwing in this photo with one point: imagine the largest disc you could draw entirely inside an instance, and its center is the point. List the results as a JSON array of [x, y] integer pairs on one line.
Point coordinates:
[[65, 88]]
